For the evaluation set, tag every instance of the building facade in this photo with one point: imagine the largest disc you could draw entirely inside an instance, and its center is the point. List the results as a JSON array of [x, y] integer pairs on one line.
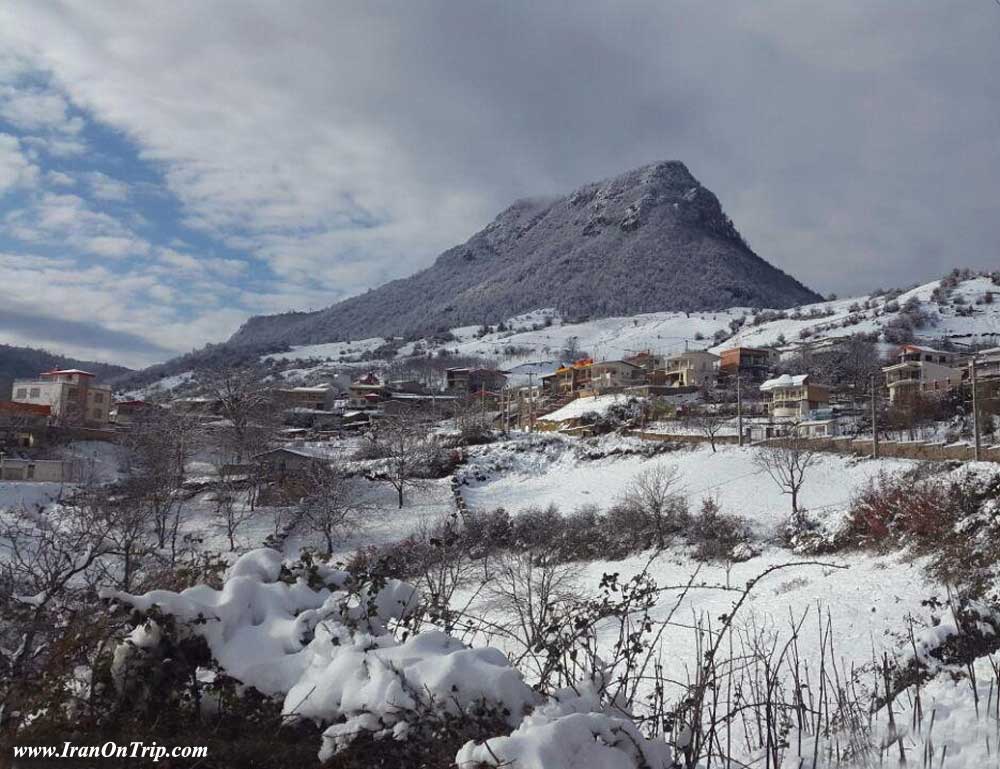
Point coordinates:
[[751, 363], [693, 368], [794, 397], [921, 371], [73, 396]]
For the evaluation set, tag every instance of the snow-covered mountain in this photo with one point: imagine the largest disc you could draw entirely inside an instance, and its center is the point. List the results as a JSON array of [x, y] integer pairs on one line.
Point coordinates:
[[650, 239]]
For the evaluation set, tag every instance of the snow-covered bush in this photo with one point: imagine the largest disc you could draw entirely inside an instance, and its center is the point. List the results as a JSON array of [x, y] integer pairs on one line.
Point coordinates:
[[339, 653], [954, 519], [570, 731]]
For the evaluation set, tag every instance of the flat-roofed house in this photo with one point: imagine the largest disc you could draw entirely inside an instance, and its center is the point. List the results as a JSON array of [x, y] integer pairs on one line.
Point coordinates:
[[921, 371], [794, 397], [127, 412], [751, 363], [73, 396], [23, 425], [474, 381], [615, 374], [568, 379], [692, 368], [315, 398]]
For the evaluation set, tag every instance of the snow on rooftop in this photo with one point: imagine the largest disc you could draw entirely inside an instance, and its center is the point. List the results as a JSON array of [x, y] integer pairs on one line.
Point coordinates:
[[785, 380], [597, 404]]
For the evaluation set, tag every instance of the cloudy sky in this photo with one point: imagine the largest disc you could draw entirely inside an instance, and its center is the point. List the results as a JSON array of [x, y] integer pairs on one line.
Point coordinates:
[[169, 168]]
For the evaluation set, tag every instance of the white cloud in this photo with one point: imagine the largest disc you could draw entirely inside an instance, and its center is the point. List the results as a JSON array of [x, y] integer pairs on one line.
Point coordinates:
[[57, 146], [60, 179], [133, 319], [67, 219], [105, 187], [37, 109], [15, 169], [114, 247]]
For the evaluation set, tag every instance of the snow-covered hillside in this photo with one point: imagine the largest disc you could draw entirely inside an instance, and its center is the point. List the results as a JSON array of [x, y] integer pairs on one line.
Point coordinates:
[[963, 313]]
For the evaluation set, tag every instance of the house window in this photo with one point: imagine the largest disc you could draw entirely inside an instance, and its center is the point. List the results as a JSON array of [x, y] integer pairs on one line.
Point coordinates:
[[97, 414], [35, 392], [22, 392], [98, 397]]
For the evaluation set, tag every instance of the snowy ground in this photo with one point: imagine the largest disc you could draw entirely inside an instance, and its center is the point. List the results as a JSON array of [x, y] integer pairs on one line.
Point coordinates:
[[870, 600], [864, 620], [553, 475]]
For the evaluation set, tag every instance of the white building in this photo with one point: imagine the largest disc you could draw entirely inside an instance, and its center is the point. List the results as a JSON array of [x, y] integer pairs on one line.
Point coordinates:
[[921, 371], [73, 395], [794, 397]]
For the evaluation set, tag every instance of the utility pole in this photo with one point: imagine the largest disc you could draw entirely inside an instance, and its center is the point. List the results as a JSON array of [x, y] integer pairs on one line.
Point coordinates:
[[531, 400], [739, 410], [874, 419], [975, 409]]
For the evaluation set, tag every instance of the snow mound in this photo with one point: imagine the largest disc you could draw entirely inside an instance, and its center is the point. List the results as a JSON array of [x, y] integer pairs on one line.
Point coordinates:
[[571, 731], [595, 404], [330, 653]]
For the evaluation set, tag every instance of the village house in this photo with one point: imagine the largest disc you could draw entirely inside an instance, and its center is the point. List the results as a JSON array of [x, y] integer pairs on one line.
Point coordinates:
[[73, 396], [23, 425], [21, 468], [316, 398], [126, 412], [988, 379], [569, 379], [752, 364], [615, 375], [644, 359], [286, 461], [692, 368], [921, 371], [201, 408], [473, 381], [412, 386], [367, 392], [794, 397]]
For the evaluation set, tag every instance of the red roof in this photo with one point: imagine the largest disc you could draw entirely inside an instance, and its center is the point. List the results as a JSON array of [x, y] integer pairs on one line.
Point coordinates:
[[25, 408]]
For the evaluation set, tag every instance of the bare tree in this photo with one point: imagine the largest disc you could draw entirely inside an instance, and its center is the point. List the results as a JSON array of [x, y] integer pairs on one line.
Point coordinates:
[[159, 444], [331, 505], [531, 593], [130, 539], [656, 492], [231, 506], [787, 462], [248, 409], [47, 565], [850, 365], [709, 420], [403, 444], [472, 420]]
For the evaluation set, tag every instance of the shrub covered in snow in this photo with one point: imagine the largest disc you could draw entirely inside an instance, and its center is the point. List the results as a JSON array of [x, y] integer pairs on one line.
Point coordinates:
[[338, 652]]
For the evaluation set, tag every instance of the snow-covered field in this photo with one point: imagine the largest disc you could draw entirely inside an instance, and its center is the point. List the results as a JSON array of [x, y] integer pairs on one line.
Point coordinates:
[[868, 601], [553, 475]]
